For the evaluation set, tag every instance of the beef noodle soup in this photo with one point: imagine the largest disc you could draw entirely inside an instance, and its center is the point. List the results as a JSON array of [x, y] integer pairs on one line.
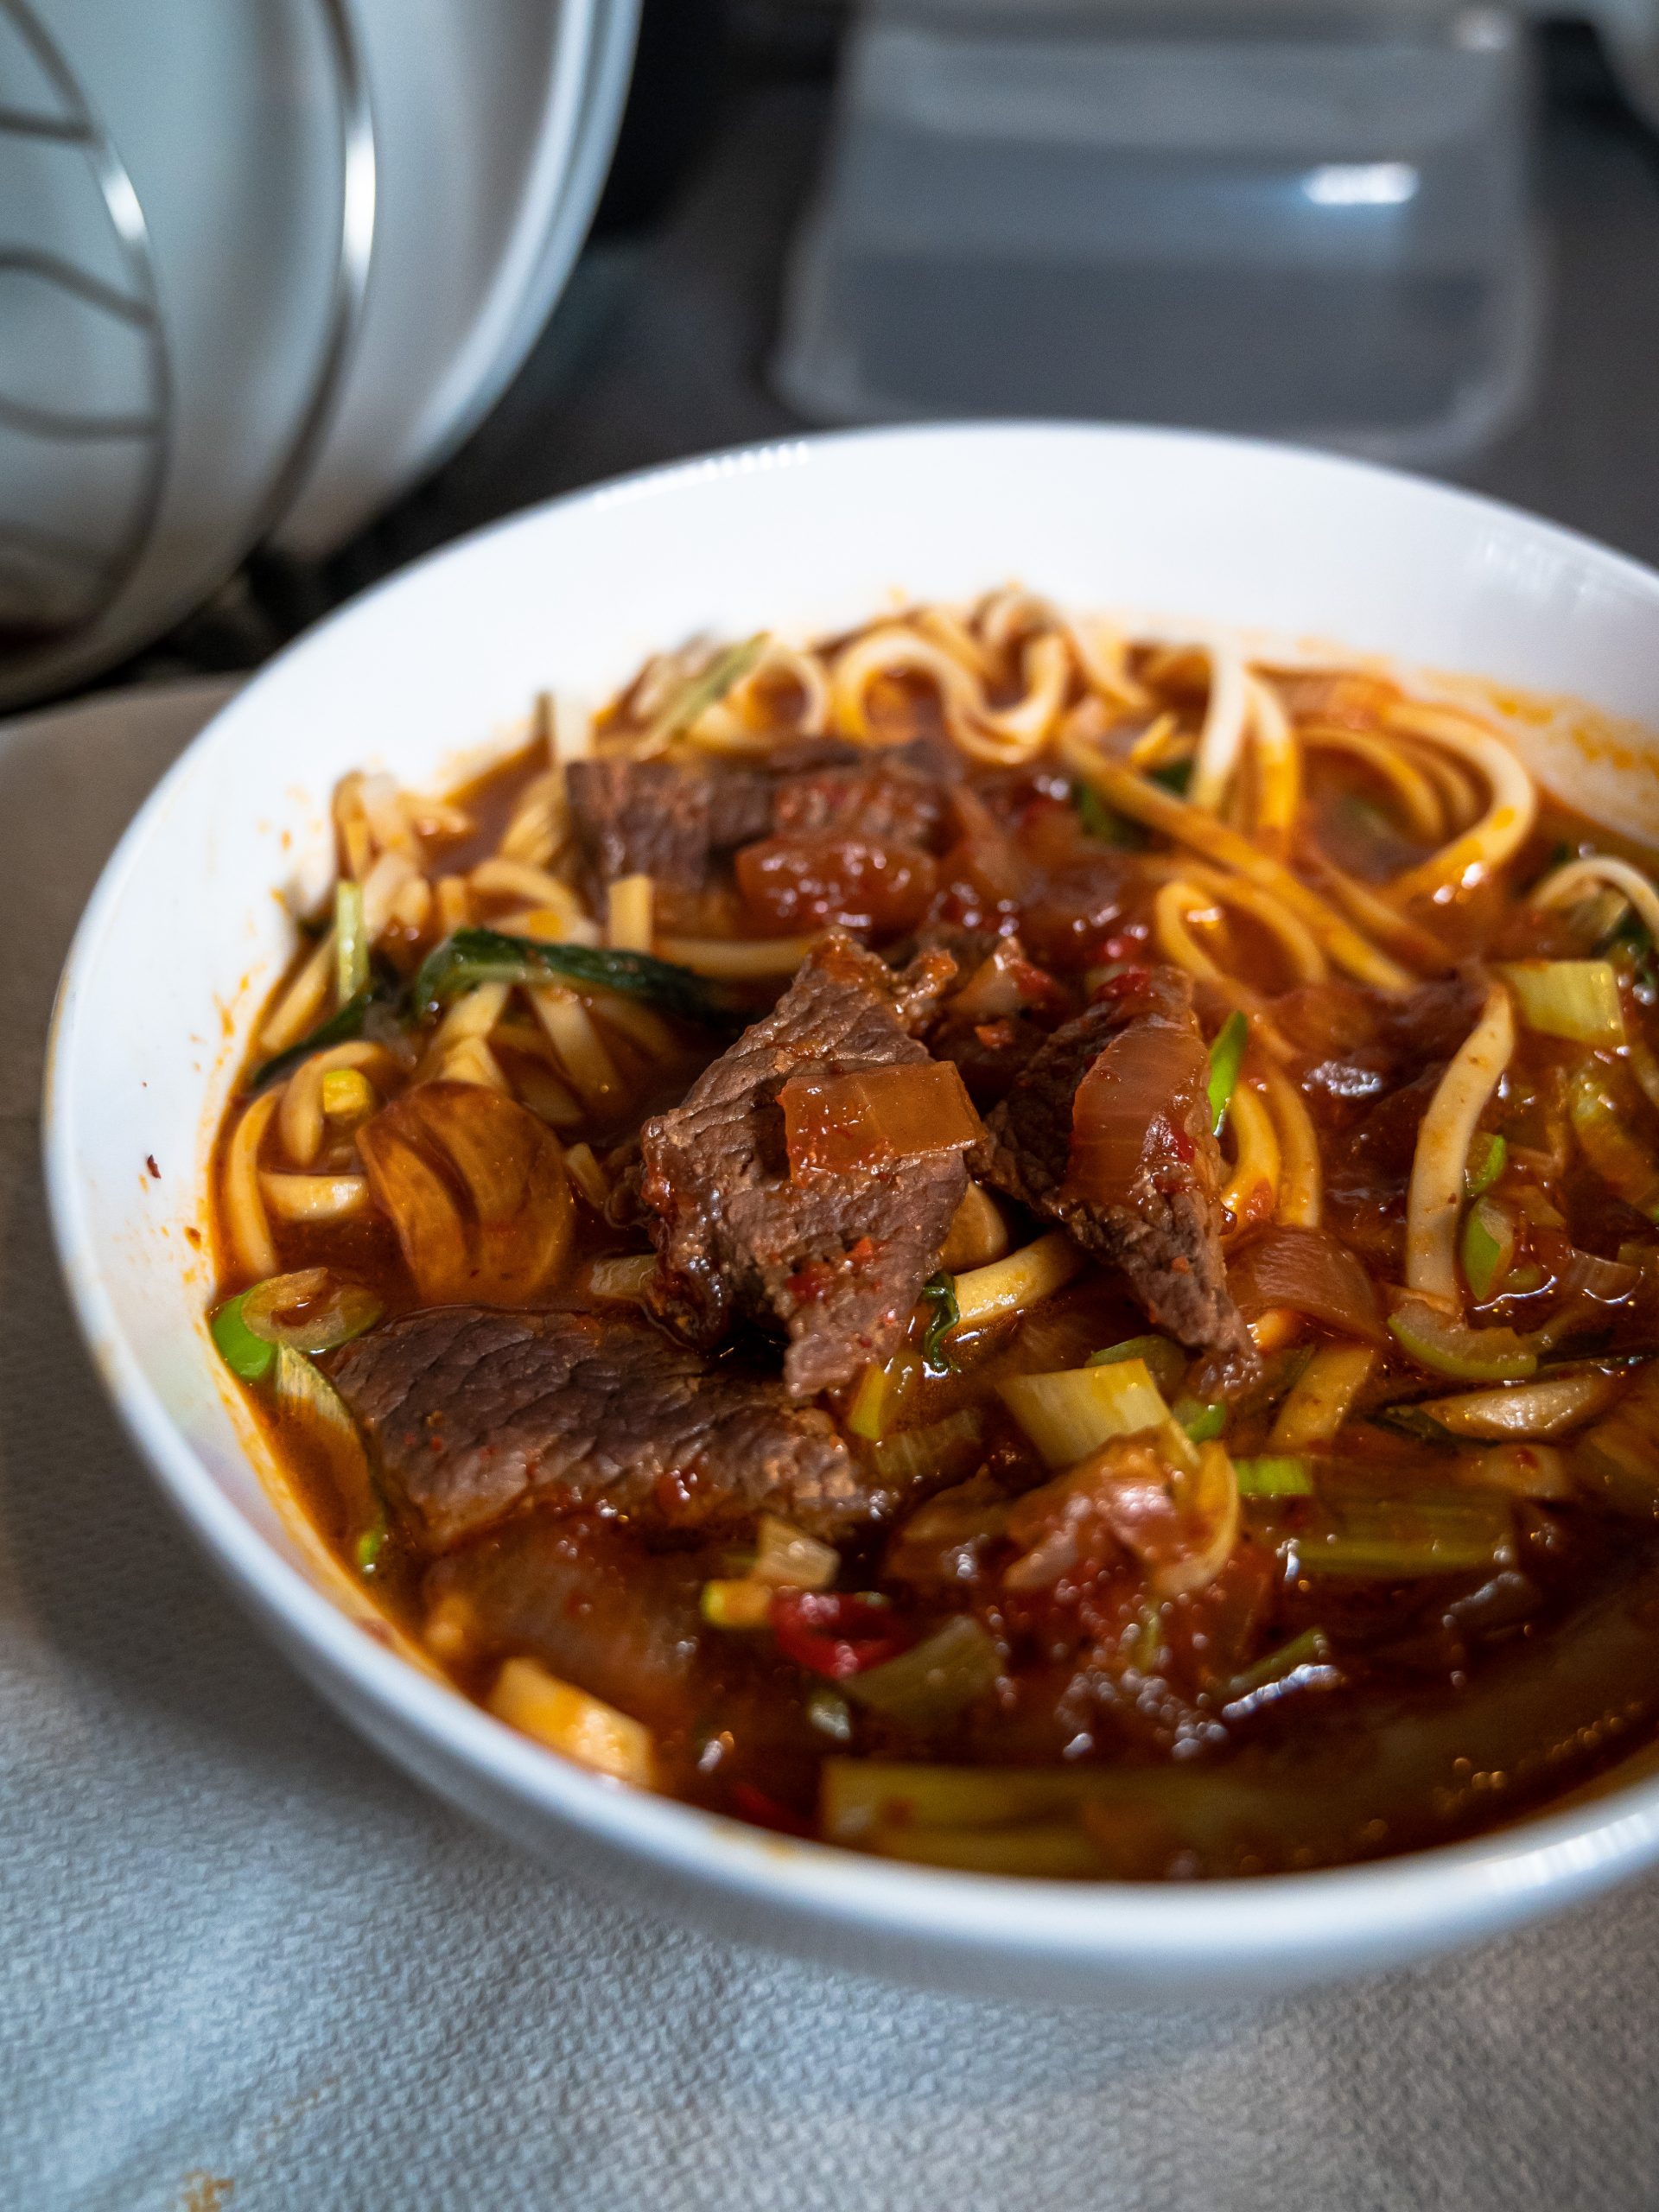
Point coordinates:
[[1011, 1248]]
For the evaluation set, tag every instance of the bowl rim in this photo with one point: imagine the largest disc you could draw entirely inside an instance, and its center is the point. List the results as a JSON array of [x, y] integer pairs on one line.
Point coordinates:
[[1417, 1901]]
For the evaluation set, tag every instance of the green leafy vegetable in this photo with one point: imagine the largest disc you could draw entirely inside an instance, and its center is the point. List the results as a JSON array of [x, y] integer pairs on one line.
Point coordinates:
[[338, 1029], [351, 941], [478, 955], [1489, 1155], [1632, 942], [1226, 1057], [1174, 776], [245, 1354], [939, 1296], [1103, 821]]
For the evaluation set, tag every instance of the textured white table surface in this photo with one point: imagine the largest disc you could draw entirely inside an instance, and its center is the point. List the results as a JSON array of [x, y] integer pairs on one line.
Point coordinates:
[[247, 1968]]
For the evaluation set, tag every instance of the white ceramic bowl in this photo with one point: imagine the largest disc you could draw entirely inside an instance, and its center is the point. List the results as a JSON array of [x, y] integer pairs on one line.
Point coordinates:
[[186, 934]]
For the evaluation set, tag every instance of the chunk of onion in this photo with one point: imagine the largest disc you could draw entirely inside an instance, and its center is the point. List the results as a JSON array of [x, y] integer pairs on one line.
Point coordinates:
[[1311, 1272], [476, 1189], [332, 1312], [1149, 1077], [873, 1118]]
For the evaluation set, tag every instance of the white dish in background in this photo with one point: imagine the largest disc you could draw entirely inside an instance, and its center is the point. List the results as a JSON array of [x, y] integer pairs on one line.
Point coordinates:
[[806, 536], [227, 123], [610, 71], [477, 126]]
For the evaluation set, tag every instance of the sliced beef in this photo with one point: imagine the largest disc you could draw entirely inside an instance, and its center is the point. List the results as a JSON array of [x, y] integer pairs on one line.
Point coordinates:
[[833, 1260], [470, 1412], [658, 819], [641, 817], [1149, 1205], [885, 802], [585, 1598]]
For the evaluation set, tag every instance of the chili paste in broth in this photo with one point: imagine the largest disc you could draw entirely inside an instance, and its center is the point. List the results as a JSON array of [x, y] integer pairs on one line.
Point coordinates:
[[1016, 1250]]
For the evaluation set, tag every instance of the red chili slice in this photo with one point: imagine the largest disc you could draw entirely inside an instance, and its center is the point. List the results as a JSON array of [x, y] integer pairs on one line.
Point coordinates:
[[834, 1635], [766, 1813]]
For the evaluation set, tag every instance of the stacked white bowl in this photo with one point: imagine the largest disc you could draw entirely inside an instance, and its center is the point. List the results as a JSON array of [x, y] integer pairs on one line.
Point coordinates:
[[261, 268]]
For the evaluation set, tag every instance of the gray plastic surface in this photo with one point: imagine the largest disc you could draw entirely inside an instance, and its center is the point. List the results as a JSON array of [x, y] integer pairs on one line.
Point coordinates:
[[1304, 232]]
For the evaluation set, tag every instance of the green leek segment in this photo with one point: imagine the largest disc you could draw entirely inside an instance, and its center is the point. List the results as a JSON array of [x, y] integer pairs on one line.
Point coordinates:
[[1226, 1058], [1486, 1248], [246, 1355], [351, 943]]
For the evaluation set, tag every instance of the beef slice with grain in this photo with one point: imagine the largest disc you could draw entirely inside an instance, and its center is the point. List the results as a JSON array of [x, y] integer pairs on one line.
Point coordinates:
[[833, 1260], [1153, 1207], [470, 1412], [641, 817]]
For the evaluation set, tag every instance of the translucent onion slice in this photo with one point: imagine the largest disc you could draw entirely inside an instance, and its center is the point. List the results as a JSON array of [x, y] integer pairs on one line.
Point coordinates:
[[333, 1311], [476, 1189], [1313, 1273]]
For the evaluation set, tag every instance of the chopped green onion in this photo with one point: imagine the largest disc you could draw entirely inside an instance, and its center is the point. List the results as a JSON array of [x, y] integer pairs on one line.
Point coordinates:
[[1399, 1539], [933, 1681], [1165, 1362], [1311, 1648], [1489, 1155], [724, 672], [307, 1399], [1274, 1474], [1174, 776], [829, 1714], [1202, 1422], [866, 1415], [479, 956], [351, 943], [939, 1296], [1577, 999], [370, 1545], [1445, 1347], [1226, 1057], [1069, 1416], [1633, 942], [1102, 822], [245, 1354], [333, 1314], [788, 1558], [1486, 1247], [1601, 1124], [338, 1029]]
